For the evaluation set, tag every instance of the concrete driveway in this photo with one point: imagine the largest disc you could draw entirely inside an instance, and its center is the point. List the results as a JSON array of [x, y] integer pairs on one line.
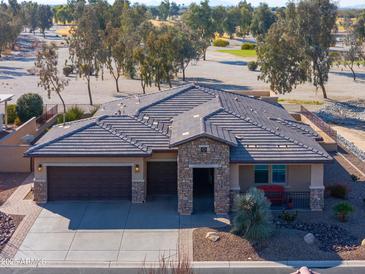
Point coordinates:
[[109, 231]]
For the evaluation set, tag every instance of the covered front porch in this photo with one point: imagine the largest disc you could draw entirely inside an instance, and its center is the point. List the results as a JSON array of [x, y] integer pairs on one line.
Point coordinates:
[[287, 186]]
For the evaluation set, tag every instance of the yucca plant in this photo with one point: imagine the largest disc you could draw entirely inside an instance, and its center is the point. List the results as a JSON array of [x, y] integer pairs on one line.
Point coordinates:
[[253, 218]]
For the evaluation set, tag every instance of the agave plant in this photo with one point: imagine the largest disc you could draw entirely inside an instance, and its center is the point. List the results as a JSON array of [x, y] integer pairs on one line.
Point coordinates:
[[253, 218]]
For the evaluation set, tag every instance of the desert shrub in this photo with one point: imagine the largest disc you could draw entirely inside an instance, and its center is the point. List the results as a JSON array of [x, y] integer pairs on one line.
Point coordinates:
[[252, 66], [11, 111], [220, 43], [248, 46], [17, 121], [72, 114], [253, 218], [343, 210], [28, 106], [338, 191], [67, 70], [288, 217]]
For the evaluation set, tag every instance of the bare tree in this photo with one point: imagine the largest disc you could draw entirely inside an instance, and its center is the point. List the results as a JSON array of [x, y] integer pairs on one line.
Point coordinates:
[[46, 62]]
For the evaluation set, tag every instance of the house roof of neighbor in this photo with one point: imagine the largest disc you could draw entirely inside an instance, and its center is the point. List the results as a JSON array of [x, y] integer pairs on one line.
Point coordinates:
[[255, 130]]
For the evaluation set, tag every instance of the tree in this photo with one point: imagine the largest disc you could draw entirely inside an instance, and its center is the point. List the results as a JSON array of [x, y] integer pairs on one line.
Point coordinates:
[[10, 25], [246, 11], [281, 56], [174, 9], [30, 10], [49, 79], [219, 14], [297, 48], [354, 52], [187, 47], [359, 27], [232, 21], [164, 9], [45, 16], [63, 13], [316, 20], [262, 20], [85, 47], [199, 19]]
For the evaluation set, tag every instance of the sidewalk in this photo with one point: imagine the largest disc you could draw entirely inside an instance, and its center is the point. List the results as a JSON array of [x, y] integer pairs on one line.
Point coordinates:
[[18, 206]]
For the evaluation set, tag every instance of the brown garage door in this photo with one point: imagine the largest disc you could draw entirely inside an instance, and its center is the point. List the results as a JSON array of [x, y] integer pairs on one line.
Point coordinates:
[[73, 183], [162, 178]]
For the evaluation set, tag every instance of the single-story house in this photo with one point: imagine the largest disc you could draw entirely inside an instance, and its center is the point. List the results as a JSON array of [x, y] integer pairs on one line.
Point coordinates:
[[186, 141]]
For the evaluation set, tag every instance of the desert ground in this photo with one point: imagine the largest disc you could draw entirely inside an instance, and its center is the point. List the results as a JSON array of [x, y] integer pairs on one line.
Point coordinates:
[[220, 70]]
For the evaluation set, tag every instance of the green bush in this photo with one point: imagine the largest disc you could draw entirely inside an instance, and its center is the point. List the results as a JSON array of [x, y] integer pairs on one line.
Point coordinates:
[[252, 66], [248, 46], [28, 106], [253, 218], [11, 111], [338, 191], [288, 217], [72, 114], [67, 70], [220, 43], [342, 210]]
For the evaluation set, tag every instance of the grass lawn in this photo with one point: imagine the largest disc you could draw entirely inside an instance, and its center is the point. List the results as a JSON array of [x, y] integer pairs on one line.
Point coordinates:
[[240, 52]]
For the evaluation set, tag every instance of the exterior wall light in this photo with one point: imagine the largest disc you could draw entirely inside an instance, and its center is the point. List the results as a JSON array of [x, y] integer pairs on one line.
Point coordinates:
[[40, 168], [136, 168]]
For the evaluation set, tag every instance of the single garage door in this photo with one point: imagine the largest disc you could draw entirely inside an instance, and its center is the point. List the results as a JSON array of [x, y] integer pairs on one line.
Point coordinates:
[[81, 183], [162, 178]]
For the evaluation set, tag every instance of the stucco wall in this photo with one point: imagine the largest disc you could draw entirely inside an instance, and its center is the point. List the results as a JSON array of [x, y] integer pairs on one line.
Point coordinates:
[[14, 138], [298, 177], [12, 158]]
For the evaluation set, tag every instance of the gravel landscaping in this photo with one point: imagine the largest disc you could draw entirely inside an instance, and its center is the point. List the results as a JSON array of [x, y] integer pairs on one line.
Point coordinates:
[[8, 225], [333, 240]]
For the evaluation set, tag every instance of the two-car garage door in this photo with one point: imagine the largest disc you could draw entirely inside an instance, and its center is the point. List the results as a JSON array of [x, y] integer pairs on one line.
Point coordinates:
[[77, 183]]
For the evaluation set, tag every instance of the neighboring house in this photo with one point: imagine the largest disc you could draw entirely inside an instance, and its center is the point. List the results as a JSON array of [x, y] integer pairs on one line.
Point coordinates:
[[184, 142]]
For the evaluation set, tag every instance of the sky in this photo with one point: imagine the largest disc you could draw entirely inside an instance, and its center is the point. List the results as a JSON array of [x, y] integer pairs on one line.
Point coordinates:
[[341, 3]]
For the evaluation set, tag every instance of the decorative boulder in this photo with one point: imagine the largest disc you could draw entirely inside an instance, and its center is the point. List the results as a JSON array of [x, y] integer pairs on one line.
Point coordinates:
[[212, 236], [309, 238], [363, 242]]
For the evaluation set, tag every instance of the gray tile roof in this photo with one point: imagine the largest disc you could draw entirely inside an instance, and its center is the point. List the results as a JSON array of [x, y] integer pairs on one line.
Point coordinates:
[[257, 131]]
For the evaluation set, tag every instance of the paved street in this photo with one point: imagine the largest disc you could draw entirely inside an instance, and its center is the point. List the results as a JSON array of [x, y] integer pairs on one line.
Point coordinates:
[[108, 231]]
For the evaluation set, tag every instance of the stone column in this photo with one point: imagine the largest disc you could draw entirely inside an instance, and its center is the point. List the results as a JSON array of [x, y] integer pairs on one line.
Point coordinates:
[[40, 190], [138, 191], [316, 188], [185, 190], [222, 199]]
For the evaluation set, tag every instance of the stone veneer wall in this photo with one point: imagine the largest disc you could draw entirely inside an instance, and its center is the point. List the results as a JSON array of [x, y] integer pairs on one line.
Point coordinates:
[[217, 157], [138, 191]]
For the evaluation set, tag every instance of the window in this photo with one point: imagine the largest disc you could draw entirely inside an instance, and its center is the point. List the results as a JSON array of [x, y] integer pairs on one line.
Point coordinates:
[[261, 174], [278, 174]]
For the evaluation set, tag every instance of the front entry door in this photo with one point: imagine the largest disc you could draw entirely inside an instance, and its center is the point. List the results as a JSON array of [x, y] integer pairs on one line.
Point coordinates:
[[203, 189]]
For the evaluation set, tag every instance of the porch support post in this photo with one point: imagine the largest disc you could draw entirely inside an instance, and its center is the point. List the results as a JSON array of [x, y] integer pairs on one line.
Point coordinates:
[[235, 183], [317, 188], [139, 183]]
